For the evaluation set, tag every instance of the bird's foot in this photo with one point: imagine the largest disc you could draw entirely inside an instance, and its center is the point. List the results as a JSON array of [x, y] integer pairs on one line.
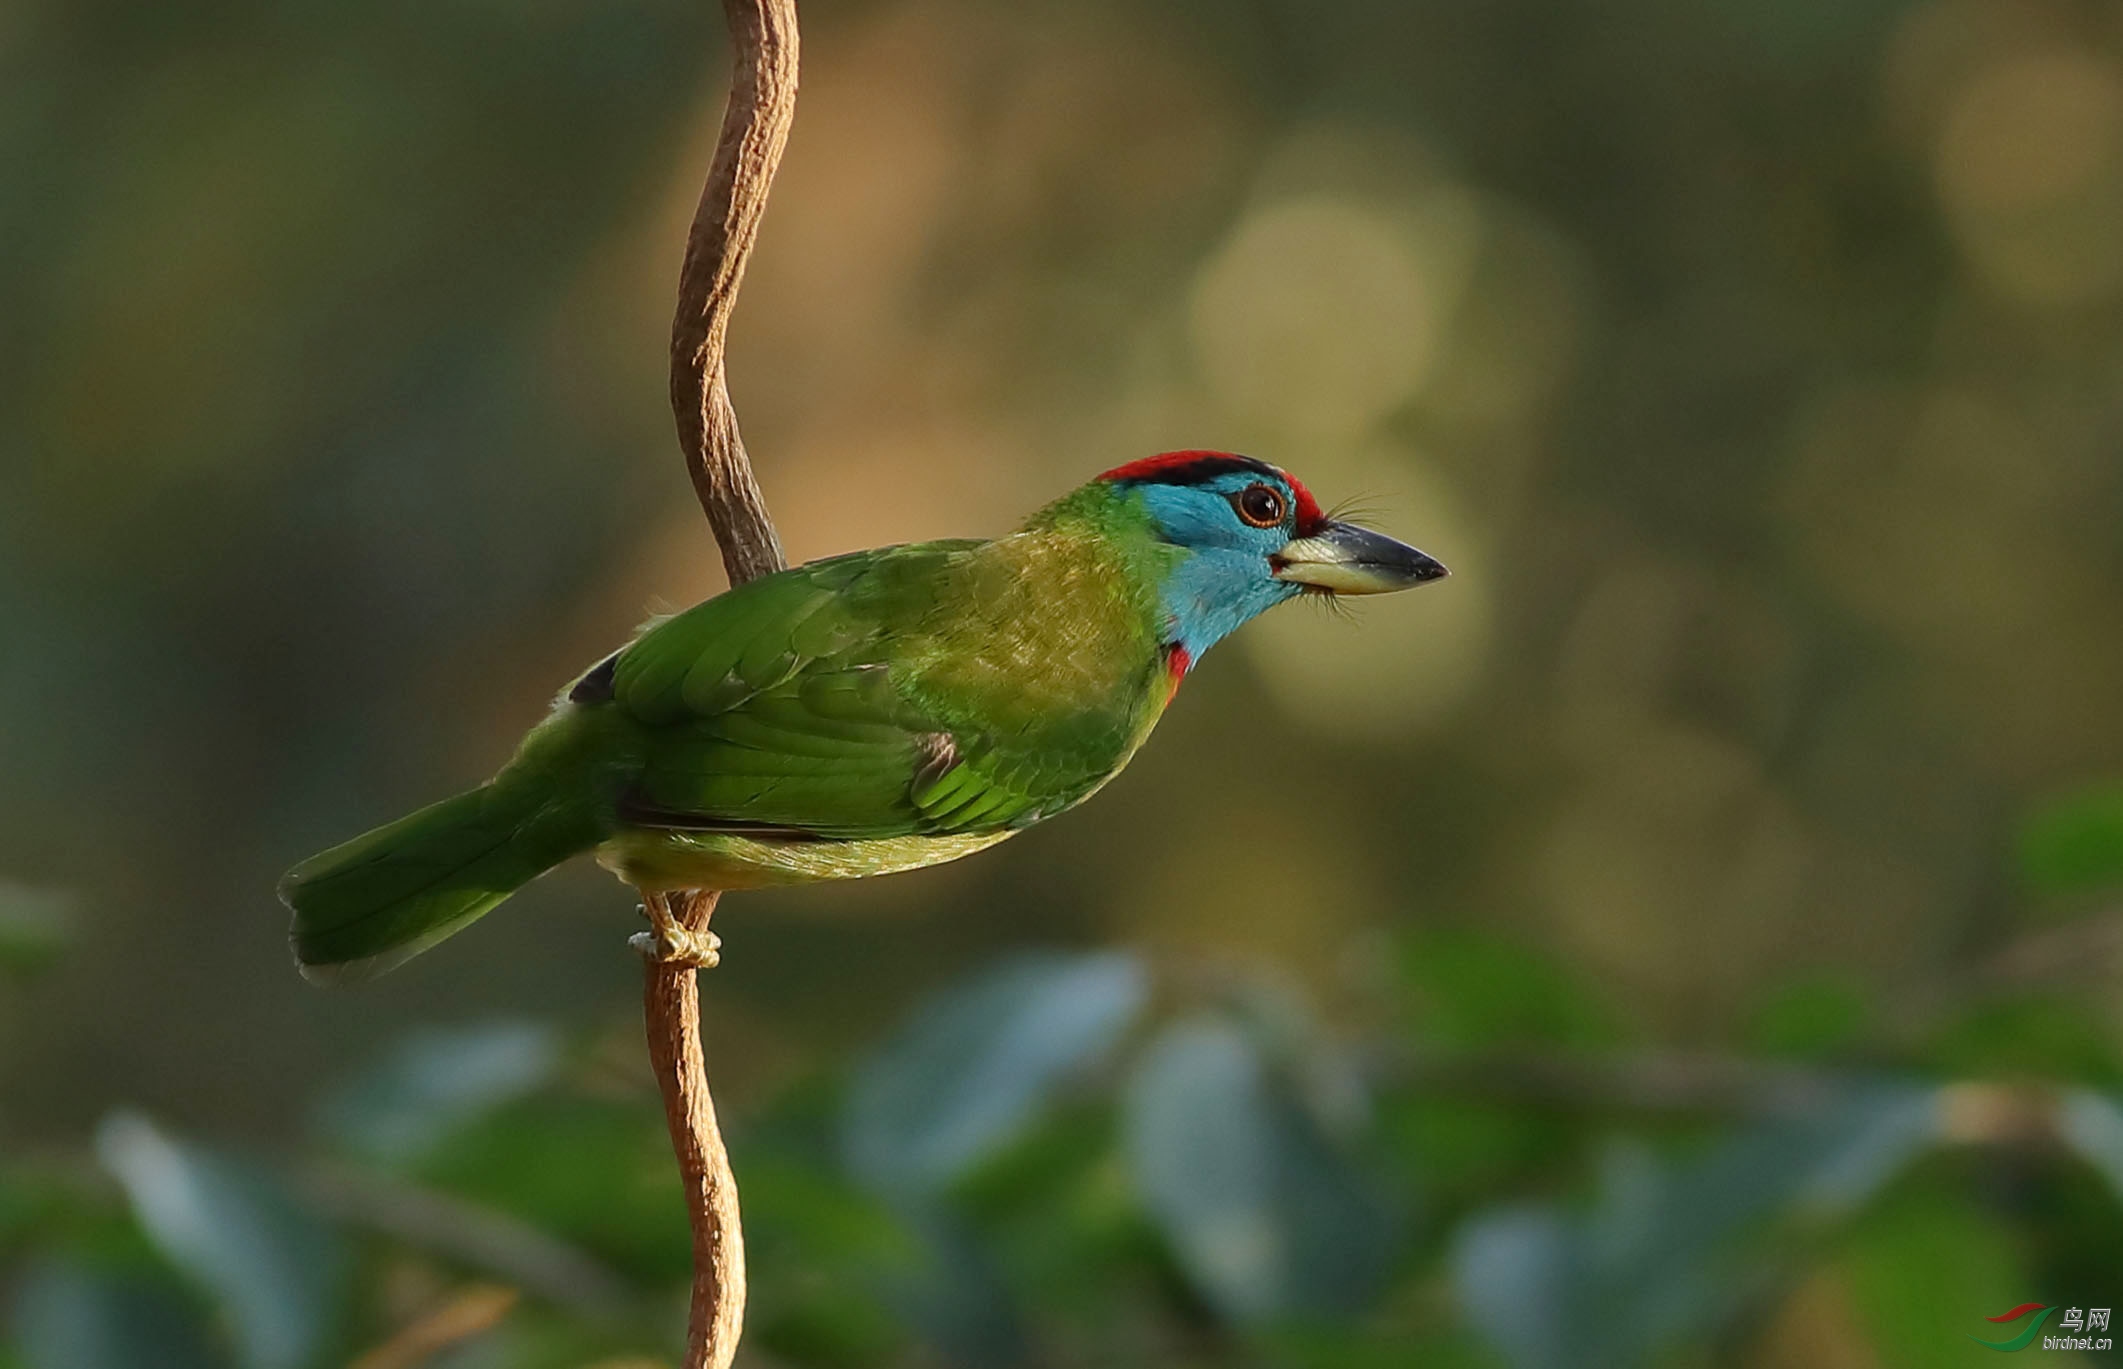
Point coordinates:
[[670, 942], [676, 945]]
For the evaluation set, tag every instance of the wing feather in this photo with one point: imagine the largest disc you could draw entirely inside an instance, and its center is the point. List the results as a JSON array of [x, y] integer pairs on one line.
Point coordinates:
[[826, 701]]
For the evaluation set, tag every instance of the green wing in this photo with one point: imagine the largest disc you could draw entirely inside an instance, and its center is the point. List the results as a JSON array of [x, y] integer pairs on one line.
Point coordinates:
[[795, 705]]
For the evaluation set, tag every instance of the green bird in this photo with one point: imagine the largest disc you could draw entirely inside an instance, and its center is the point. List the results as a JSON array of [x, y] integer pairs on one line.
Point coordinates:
[[863, 714]]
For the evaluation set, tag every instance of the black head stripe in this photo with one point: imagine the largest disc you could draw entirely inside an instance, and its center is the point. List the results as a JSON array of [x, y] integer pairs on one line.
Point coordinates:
[[1191, 468]]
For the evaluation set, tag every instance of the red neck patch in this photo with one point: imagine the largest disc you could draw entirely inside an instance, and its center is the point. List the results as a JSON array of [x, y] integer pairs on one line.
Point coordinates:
[[1193, 467], [1177, 664]]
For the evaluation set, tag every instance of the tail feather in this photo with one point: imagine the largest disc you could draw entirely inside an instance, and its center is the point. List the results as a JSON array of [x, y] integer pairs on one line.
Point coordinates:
[[377, 901]]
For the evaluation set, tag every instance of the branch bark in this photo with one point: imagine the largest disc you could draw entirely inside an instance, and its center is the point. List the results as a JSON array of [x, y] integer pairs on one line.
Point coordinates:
[[755, 126], [671, 1005]]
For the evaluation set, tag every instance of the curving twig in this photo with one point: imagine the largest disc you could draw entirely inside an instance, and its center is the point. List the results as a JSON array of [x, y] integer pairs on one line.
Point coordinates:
[[755, 125], [671, 1004]]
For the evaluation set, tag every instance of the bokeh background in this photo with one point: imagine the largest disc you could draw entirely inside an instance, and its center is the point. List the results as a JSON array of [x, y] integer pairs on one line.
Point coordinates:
[[1688, 936]]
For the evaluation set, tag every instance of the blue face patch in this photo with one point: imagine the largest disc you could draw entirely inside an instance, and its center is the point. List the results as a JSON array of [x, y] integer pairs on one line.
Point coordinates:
[[1226, 579]]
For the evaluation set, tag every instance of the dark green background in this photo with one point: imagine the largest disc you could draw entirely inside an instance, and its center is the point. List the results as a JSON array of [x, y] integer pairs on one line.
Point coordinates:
[[1758, 368]]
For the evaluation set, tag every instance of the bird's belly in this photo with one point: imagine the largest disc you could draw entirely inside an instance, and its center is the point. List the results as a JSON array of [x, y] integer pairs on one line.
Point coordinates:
[[661, 860]]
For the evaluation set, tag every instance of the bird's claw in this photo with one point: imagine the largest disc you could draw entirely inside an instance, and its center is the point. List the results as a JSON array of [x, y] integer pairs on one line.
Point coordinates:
[[676, 945], [671, 943]]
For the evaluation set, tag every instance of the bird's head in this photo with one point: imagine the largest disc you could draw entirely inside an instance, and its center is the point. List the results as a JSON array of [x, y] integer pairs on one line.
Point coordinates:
[[1251, 536]]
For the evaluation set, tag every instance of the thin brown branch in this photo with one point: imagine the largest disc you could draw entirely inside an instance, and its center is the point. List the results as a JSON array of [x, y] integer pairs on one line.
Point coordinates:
[[473, 1311], [755, 126], [671, 1003]]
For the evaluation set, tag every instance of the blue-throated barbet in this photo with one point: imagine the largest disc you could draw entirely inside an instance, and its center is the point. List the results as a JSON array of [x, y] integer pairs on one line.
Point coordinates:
[[863, 714]]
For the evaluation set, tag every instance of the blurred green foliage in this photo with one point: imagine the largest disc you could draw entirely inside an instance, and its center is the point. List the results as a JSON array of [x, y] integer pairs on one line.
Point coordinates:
[[1687, 936], [1047, 1164], [2075, 845]]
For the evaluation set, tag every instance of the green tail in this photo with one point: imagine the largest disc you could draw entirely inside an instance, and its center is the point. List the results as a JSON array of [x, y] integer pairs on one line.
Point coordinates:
[[379, 900]]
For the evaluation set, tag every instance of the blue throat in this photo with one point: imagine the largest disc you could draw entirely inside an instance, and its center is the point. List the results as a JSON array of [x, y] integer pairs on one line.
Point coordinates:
[[1213, 593], [1223, 580]]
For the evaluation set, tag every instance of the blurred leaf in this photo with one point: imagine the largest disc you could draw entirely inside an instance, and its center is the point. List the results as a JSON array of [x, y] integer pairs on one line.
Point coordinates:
[[971, 1067], [957, 1299], [1810, 1019], [811, 1323], [594, 1173], [1520, 1280], [844, 1274], [435, 1080], [271, 1264], [821, 1254], [1056, 1209], [67, 1317], [2043, 1036], [1653, 1264], [1476, 991], [35, 925], [2092, 1124], [1924, 1271], [1464, 1148], [1326, 1077], [451, 1228], [831, 1218], [1048, 1159], [1263, 1213], [2075, 844]]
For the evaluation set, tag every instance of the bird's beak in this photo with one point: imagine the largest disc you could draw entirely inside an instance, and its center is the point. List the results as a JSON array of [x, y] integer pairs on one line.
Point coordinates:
[[1347, 559]]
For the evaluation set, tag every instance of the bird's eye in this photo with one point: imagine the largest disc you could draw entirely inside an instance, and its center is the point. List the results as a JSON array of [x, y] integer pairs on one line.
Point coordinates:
[[1259, 505]]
